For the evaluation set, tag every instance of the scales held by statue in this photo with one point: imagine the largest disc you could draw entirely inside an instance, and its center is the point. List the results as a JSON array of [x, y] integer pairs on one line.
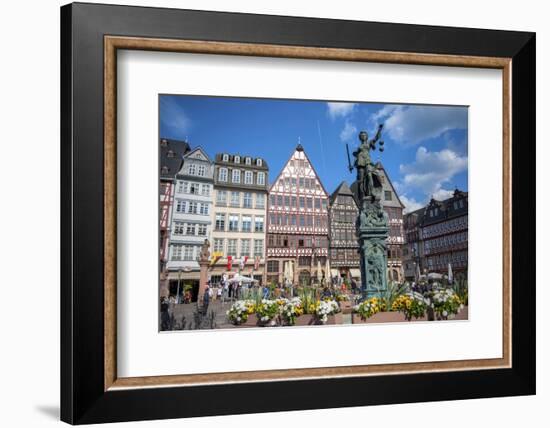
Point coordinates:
[[372, 221]]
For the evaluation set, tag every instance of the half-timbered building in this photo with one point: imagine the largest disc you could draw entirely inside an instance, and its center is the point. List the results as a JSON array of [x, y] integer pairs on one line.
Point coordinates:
[[297, 239], [343, 245], [171, 154]]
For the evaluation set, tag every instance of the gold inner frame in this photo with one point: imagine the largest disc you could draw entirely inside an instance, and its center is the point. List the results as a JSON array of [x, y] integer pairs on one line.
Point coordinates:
[[113, 43]]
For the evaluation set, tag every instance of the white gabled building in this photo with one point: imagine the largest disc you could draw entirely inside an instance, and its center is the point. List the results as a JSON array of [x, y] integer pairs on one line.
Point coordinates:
[[191, 219]]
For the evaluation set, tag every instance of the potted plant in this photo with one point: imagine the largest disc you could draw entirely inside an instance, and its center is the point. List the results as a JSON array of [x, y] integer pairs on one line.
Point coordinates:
[[241, 311], [266, 312]]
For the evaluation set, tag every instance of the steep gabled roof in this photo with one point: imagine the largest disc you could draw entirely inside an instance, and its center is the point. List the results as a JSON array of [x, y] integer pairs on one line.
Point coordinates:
[[342, 189], [171, 154]]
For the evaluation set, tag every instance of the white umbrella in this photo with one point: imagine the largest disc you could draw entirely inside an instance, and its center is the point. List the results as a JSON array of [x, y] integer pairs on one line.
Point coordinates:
[[434, 275], [243, 279], [450, 274], [328, 276], [319, 272], [291, 272], [418, 274]]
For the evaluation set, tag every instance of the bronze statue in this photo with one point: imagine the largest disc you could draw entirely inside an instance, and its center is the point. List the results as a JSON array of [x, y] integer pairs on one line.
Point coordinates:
[[367, 176]]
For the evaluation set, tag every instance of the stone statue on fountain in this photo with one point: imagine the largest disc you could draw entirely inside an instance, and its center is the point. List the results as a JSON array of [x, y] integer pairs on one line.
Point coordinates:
[[372, 221]]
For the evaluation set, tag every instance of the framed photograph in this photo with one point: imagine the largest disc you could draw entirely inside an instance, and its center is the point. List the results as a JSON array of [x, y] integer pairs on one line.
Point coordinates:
[[316, 210]]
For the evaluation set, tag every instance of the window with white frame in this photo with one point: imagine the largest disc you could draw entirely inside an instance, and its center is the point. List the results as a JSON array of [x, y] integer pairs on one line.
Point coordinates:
[[201, 171], [205, 190], [218, 245], [260, 200], [247, 200], [261, 178], [178, 228], [259, 224], [192, 170], [222, 174], [245, 247], [179, 189], [202, 229], [188, 252], [225, 157], [246, 223], [232, 247], [220, 222], [221, 197], [190, 230], [194, 188], [248, 177], [181, 206], [177, 252], [237, 159], [233, 222], [192, 207], [236, 177], [258, 247], [235, 199], [248, 161], [258, 162], [203, 209]]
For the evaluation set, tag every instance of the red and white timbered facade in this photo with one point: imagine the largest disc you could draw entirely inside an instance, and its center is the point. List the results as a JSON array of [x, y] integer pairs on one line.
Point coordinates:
[[297, 231]]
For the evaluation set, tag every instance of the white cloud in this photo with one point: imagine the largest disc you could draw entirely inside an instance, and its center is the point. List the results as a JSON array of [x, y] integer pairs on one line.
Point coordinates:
[[414, 124], [349, 132], [411, 204], [339, 109], [442, 194], [431, 170]]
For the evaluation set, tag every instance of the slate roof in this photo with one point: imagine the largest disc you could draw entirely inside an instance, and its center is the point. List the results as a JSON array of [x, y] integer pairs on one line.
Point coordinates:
[[171, 157], [342, 189]]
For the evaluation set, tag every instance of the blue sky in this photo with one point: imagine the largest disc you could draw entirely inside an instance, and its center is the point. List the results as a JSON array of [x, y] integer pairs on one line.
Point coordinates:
[[426, 147]]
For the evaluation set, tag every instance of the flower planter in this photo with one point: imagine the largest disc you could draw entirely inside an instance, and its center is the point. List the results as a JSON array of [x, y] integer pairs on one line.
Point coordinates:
[[346, 307], [306, 319], [383, 317]]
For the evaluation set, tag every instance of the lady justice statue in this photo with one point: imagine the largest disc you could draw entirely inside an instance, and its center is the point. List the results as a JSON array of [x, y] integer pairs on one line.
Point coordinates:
[[372, 222]]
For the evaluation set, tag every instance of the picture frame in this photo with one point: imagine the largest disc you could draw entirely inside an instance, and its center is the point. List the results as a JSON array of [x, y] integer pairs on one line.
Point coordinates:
[[91, 391]]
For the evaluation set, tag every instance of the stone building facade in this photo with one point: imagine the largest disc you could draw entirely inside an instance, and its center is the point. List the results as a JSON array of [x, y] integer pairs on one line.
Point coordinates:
[[239, 216], [437, 235], [191, 219], [297, 239]]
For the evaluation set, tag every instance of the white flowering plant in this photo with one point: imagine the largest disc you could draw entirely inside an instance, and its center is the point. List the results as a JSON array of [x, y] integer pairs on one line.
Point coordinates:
[[290, 309], [324, 308], [446, 303], [240, 310], [266, 310], [368, 308], [411, 305]]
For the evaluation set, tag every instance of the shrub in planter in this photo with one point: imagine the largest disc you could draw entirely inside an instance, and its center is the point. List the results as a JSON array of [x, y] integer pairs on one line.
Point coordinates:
[[266, 311], [446, 303], [411, 305], [290, 309], [367, 308], [324, 308], [239, 311]]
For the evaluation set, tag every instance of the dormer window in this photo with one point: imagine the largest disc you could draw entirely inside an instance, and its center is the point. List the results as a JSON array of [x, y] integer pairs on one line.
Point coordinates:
[[170, 154], [164, 170], [258, 162], [237, 159], [225, 157], [248, 161]]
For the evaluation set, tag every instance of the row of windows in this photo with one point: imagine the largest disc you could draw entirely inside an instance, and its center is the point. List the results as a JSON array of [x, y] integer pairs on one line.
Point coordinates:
[[446, 241], [344, 254], [193, 188], [273, 266], [294, 183], [449, 226], [198, 170], [302, 202], [236, 175], [189, 229], [343, 235], [235, 200], [344, 216], [192, 207], [185, 252], [238, 223], [238, 247], [296, 241], [301, 220], [237, 159], [442, 261]]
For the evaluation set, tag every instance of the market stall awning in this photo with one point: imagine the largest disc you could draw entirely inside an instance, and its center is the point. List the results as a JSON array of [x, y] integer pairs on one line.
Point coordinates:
[[355, 273]]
